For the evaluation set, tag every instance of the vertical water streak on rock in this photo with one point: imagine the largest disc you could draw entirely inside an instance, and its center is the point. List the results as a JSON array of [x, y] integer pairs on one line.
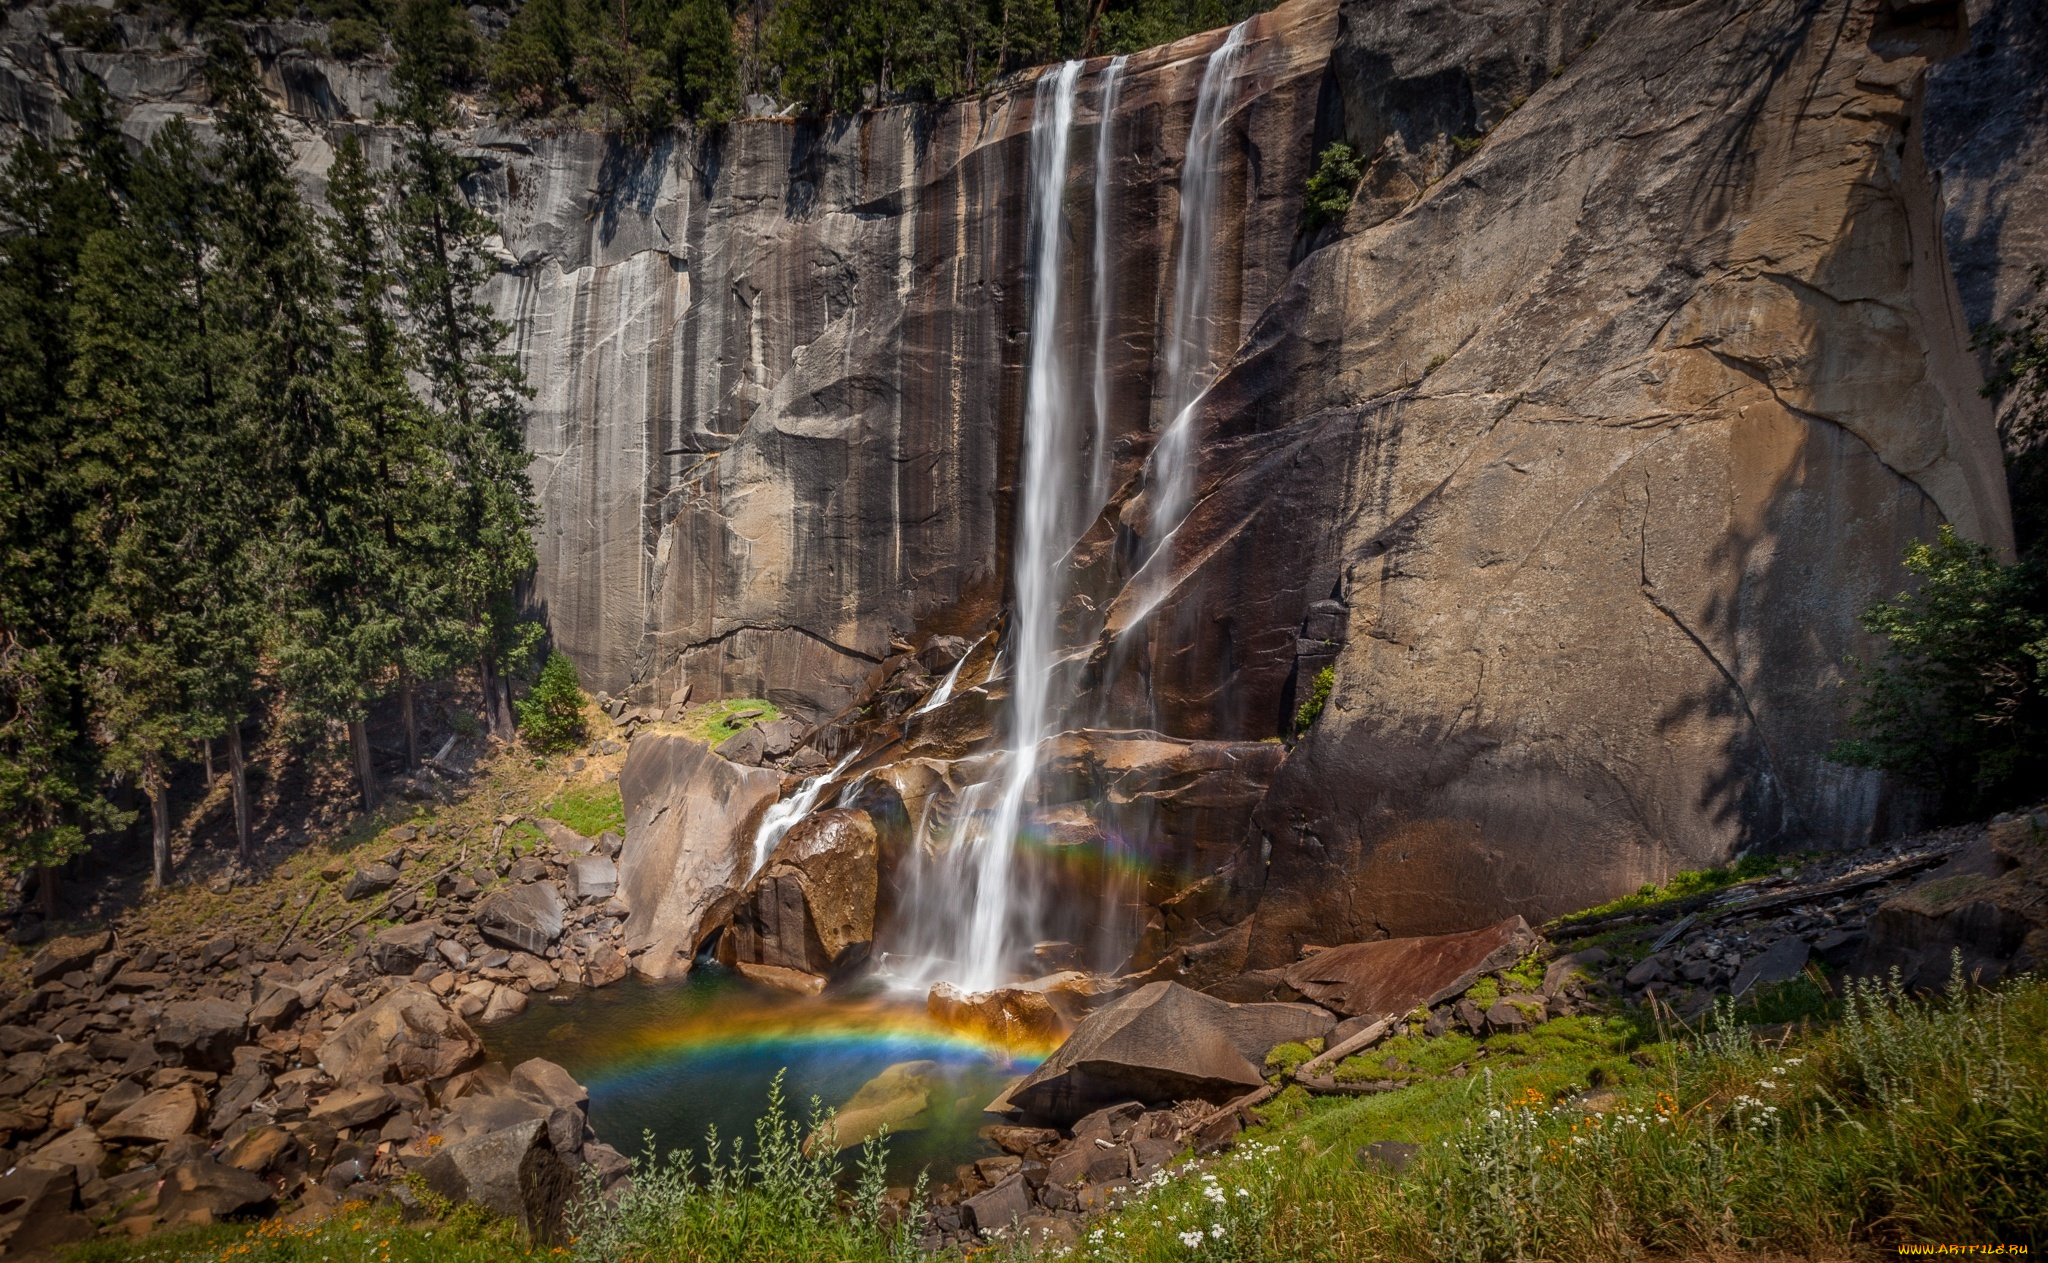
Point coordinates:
[[1189, 355], [966, 906], [1104, 290]]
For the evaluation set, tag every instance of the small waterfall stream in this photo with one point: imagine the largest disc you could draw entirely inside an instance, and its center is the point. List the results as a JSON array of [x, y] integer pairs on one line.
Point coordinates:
[[1190, 353], [1103, 306]]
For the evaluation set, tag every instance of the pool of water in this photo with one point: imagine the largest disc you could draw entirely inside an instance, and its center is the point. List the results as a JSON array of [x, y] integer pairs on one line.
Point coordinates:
[[676, 1058]]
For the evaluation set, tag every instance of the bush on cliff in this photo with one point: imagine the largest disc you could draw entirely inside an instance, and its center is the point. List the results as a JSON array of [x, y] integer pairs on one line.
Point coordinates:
[[1330, 188], [551, 716], [1960, 703]]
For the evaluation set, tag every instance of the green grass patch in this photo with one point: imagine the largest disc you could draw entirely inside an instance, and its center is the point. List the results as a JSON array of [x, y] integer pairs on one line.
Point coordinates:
[[523, 837], [589, 809], [1907, 1121], [1285, 1059], [713, 722], [357, 1233], [1698, 881]]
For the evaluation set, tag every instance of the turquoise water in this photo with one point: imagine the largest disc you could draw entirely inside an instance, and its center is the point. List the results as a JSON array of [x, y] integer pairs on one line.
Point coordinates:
[[677, 1058]]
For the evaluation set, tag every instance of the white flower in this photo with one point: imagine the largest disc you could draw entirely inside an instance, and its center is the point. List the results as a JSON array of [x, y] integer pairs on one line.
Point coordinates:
[[1216, 1231], [1191, 1239], [1243, 1192], [1493, 1113]]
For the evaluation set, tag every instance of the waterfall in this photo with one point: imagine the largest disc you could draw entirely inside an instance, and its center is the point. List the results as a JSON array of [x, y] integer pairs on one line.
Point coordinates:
[[1189, 354], [1105, 295], [942, 694], [965, 901], [782, 816]]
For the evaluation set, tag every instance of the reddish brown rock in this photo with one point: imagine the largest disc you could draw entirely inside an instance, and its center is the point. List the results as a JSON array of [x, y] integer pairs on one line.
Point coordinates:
[[812, 908], [1399, 975], [1010, 1017]]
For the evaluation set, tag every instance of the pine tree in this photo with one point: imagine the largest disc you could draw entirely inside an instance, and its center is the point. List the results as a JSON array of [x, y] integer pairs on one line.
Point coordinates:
[[271, 305], [145, 389], [51, 201], [474, 386]]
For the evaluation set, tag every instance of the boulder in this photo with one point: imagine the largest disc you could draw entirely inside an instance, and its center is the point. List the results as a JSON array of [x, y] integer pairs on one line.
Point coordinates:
[[1402, 974], [747, 746], [794, 981], [203, 1191], [812, 907], [39, 1209], [514, 1172], [261, 1148], [1984, 904], [158, 1116], [504, 1002], [604, 966], [1782, 961], [1162, 1043], [403, 948], [690, 817], [592, 877], [1001, 1208], [1009, 1017], [406, 1037], [548, 1083], [277, 1008], [565, 840], [203, 1034], [352, 1106], [899, 1098], [78, 1148], [371, 879], [527, 917], [61, 956]]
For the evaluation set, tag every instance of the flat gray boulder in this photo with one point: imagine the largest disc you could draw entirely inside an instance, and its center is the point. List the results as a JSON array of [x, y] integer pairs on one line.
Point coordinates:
[[403, 948], [371, 879], [527, 917], [592, 877]]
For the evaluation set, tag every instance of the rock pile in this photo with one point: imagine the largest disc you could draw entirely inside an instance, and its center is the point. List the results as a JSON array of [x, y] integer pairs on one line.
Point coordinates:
[[174, 1082]]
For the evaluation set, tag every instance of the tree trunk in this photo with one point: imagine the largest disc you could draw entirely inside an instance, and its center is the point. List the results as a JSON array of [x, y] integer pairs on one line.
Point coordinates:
[[160, 829], [46, 890], [207, 746], [412, 728], [366, 770], [501, 697], [238, 773], [483, 676]]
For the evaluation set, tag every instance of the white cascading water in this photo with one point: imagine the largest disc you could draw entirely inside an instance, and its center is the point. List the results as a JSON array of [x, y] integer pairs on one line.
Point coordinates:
[[782, 816], [964, 905], [1190, 354], [1105, 293]]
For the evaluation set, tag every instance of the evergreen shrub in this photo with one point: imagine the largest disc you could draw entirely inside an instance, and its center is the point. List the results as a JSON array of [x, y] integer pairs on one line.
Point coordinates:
[[551, 716]]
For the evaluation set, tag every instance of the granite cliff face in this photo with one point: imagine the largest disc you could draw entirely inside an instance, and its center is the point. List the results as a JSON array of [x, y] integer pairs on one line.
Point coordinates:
[[1573, 451]]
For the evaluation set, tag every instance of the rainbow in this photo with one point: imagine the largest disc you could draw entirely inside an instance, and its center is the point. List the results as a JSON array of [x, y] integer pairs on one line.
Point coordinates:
[[851, 1028]]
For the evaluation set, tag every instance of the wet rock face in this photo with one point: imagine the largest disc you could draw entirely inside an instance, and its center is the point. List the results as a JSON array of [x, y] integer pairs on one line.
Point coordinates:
[[780, 372], [1592, 495]]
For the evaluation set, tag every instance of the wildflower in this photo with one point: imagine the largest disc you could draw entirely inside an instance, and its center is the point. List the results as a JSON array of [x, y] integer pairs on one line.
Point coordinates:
[[1191, 1239], [1793, 1061], [1216, 1231]]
